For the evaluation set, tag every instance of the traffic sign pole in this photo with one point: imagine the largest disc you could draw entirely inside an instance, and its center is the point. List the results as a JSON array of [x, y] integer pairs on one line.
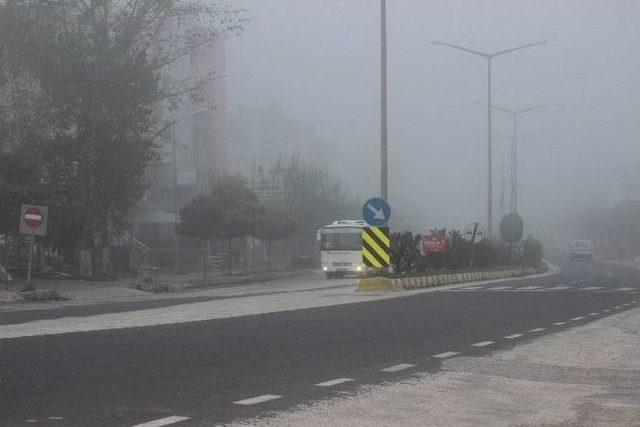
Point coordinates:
[[32, 239]]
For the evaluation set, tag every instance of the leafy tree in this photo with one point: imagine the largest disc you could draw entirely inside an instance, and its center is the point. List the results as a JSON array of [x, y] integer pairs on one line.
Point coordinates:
[[197, 219], [97, 67], [275, 224], [238, 210], [404, 252]]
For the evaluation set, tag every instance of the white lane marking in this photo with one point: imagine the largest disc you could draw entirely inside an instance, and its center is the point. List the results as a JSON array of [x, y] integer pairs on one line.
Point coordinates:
[[560, 323], [561, 287], [512, 336], [607, 310], [537, 330], [257, 399], [592, 288], [624, 288], [473, 287], [500, 288], [593, 314], [528, 288], [334, 382], [55, 418], [577, 318], [163, 421], [446, 354], [396, 368], [483, 343], [617, 307]]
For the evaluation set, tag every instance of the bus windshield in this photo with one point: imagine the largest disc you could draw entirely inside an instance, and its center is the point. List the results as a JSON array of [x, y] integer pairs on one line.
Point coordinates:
[[341, 239]]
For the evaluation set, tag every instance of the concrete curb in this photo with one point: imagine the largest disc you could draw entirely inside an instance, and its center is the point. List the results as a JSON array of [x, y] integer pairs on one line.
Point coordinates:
[[239, 280], [383, 283]]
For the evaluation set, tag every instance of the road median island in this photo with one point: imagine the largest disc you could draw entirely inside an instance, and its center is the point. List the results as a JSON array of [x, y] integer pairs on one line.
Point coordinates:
[[418, 282]]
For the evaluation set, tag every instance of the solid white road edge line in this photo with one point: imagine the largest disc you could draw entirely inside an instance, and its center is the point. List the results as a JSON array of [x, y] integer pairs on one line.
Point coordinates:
[[257, 399], [163, 421], [334, 382], [396, 368]]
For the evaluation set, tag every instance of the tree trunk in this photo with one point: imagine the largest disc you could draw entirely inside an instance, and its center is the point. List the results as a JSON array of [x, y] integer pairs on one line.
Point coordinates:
[[85, 263]]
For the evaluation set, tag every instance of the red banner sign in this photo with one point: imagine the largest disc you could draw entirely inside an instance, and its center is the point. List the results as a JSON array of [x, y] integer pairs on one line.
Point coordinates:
[[433, 243]]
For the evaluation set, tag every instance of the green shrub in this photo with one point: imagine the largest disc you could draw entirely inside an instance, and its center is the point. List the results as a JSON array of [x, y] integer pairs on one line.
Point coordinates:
[[531, 252]]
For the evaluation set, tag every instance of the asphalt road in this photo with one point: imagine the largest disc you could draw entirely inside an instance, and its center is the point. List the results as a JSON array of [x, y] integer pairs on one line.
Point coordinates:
[[124, 377]]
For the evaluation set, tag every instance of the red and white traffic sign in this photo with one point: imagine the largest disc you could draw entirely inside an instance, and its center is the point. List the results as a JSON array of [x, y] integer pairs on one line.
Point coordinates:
[[433, 243], [33, 220], [33, 217]]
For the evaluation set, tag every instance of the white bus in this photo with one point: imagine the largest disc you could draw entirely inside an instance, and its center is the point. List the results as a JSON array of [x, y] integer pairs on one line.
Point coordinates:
[[341, 248]]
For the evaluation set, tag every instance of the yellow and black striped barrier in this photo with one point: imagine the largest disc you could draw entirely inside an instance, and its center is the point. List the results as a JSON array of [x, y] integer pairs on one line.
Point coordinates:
[[376, 246]]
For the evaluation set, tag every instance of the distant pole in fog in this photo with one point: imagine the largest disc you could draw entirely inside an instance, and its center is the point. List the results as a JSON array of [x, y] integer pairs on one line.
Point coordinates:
[[513, 196], [383, 102], [489, 57]]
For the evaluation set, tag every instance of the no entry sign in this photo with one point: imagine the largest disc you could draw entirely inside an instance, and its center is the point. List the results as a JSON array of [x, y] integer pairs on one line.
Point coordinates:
[[33, 220]]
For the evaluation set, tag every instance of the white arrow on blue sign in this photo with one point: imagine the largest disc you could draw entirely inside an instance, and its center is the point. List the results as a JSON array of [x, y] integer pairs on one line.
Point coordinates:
[[376, 212]]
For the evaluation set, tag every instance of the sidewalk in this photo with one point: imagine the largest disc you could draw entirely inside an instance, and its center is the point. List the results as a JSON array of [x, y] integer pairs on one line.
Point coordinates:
[[131, 288]]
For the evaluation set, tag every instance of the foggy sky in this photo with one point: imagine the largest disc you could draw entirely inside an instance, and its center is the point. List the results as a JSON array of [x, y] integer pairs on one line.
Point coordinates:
[[318, 62]]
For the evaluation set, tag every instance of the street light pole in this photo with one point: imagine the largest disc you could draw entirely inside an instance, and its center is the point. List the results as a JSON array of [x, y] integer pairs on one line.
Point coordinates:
[[383, 102], [513, 195], [489, 57]]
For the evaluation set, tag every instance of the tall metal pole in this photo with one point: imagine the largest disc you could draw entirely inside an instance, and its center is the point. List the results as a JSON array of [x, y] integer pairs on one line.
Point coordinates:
[[489, 57], [514, 163], [489, 154], [383, 101]]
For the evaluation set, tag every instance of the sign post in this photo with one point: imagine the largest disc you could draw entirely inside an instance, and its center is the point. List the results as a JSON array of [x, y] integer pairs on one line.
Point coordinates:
[[376, 241], [33, 222]]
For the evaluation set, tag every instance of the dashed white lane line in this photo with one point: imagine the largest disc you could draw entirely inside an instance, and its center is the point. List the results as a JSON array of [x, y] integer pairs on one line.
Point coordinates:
[[500, 288], [257, 399], [537, 330], [593, 314], [334, 382], [593, 288], [163, 421], [617, 307], [396, 368], [446, 354], [577, 318], [55, 418], [483, 343], [607, 310], [624, 288], [512, 336], [560, 323]]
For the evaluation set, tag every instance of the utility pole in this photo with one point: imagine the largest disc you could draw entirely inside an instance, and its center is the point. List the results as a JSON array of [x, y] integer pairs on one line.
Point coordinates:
[[384, 171], [489, 57]]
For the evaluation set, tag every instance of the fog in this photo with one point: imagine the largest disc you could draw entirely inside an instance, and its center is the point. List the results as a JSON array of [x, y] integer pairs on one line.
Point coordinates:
[[316, 64]]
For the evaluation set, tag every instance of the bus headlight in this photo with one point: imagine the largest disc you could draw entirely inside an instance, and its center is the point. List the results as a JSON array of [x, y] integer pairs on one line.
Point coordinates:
[[325, 268], [359, 267]]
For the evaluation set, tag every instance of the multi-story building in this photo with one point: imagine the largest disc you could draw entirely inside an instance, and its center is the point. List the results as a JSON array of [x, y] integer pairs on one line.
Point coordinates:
[[191, 150]]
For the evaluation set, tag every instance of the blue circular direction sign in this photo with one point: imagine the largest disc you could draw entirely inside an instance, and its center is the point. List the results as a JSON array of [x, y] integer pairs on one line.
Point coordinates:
[[376, 212]]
